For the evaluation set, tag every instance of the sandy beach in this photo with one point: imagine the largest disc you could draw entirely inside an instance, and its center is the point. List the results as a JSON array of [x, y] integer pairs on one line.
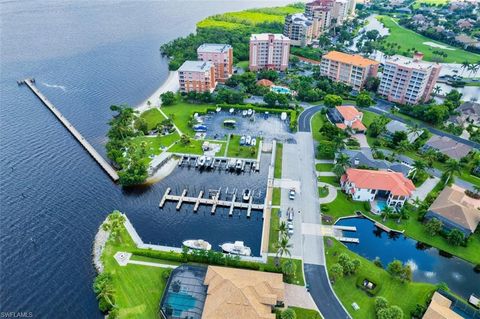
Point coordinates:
[[170, 84], [163, 171]]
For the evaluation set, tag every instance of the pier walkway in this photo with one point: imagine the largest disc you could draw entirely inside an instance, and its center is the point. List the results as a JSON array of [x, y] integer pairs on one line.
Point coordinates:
[[96, 156]]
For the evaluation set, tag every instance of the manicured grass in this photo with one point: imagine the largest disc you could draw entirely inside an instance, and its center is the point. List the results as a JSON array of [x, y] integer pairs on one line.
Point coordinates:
[[322, 192], [369, 118], [343, 206], [194, 147], [303, 313], [276, 196], [332, 180], [273, 235], [236, 150], [317, 122], [278, 161], [417, 3], [324, 167], [152, 117], [416, 230], [408, 39], [182, 113], [137, 289], [404, 295], [154, 144], [297, 278]]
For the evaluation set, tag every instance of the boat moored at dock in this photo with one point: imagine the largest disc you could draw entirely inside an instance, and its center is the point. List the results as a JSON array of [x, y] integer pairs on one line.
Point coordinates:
[[236, 248], [199, 244]]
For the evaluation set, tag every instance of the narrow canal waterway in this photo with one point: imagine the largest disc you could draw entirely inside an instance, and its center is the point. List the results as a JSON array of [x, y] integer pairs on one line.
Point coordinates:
[[427, 263], [85, 56]]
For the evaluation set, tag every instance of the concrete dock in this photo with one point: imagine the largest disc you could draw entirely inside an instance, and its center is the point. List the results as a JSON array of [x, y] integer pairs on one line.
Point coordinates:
[[88, 147]]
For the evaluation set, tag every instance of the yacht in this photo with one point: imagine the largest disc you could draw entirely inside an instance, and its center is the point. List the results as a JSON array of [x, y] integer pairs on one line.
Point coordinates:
[[244, 113], [197, 244], [249, 112], [231, 110], [208, 161], [246, 194], [201, 161], [236, 248], [283, 116], [200, 128], [238, 165], [231, 164]]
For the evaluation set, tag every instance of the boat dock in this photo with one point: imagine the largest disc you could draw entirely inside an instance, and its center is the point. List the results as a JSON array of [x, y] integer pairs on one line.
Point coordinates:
[[345, 228], [349, 240], [250, 165], [88, 147], [215, 201]]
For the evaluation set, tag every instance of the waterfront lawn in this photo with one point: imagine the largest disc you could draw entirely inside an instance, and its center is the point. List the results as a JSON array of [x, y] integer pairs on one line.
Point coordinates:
[[194, 147], [278, 161], [273, 237], [342, 206], [416, 230], [236, 150], [408, 39], [324, 167], [303, 313], [181, 113], [153, 117], [317, 122], [137, 289], [345, 288], [154, 145], [276, 196]]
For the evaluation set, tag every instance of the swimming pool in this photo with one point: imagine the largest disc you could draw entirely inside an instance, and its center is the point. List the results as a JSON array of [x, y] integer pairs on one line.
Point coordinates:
[[381, 204], [280, 89]]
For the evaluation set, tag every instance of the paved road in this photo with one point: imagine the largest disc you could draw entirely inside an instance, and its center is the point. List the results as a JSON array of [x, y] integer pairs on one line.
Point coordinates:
[[322, 294], [428, 127], [306, 116]]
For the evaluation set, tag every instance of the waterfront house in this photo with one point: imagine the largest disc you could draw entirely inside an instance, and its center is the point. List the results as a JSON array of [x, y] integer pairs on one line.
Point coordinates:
[[369, 185], [468, 113], [239, 293], [447, 146], [346, 116], [440, 308], [456, 210], [396, 126], [359, 159]]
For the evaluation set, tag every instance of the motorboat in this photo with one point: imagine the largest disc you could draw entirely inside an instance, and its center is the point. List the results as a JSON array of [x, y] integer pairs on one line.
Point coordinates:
[[244, 113], [249, 112], [238, 165], [231, 111], [200, 128], [209, 161], [199, 244], [246, 194], [218, 109], [242, 140], [236, 248], [229, 123], [201, 161], [248, 140], [253, 142], [283, 116], [231, 164]]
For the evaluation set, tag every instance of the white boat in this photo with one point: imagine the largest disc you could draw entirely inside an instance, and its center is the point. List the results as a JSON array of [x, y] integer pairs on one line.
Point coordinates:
[[238, 165], [244, 113], [246, 194], [197, 244], [231, 164], [236, 248], [242, 140], [283, 116], [218, 109], [231, 110], [201, 161], [209, 161], [254, 141], [249, 112], [248, 140]]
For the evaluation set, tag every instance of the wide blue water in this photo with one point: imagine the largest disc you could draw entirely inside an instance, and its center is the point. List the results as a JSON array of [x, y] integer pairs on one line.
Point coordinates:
[[85, 56], [427, 263]]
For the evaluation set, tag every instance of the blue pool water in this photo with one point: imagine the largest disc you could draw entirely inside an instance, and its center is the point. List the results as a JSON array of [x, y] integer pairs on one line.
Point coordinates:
[[381, 204], [280, 89], [182, 301]]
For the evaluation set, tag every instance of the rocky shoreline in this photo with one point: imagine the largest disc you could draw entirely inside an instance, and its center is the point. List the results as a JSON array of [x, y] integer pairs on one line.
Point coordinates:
[[98, 245]]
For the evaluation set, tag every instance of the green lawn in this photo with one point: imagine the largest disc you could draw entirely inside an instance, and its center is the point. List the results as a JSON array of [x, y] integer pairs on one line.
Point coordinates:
[[408, 39], [137, 289], [324, 167], [369, 118], [303, 313], [276, 196], [278, 161], [243, 65], [273, 238], [317, 122], [406, 295], [236, 150], [322, 192], [152, 117], [416, 230], [332, 180], [182, 113], [297, 278], [343, 206], [154, 144], [417, 3]]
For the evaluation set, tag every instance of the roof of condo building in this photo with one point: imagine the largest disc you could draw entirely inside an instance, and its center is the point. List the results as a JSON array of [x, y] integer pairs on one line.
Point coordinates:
[[195, 66], [353, 59], [214, 47], [265, 36], [300, 18], [411, 63]]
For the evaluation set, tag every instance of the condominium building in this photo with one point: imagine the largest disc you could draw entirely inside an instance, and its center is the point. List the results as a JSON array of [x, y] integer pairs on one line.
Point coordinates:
[[324, 12], [408, 81], [222, 57], [351, 69], [298, 28], [269, 51], [197, 76], [340, 11]]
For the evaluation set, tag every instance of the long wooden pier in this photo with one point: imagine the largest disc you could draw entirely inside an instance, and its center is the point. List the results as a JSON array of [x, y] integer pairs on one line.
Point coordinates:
[[88, 147], [214, 202]]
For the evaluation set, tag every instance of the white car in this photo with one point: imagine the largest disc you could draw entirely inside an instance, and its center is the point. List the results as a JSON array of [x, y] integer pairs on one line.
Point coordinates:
[[292, 194]]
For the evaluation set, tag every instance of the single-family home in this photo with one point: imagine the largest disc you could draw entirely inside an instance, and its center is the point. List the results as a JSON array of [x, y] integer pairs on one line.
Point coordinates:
[[369, 185], [447, 146], [468, 112], [456, 210], [346, 116], [440, 308], [359, 159], [396, 126]]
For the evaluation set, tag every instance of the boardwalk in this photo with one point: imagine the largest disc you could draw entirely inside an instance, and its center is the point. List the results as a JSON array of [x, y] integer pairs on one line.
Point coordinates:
[[96, 156]]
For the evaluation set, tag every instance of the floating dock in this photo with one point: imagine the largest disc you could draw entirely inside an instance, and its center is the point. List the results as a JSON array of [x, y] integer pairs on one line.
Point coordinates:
[[345, 228], [88, 147], [214, 202], [349, 240]]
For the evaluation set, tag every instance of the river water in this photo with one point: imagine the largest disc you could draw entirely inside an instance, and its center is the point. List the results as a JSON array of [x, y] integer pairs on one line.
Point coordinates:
[[85, 56]]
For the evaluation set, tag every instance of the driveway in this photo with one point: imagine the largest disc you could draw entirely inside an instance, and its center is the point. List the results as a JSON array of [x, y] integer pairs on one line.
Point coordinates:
[[362, 139], [332, 193], [298, 296], [422, 191]]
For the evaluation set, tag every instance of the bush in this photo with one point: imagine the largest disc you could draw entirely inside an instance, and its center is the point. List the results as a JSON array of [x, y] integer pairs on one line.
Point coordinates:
[[367, 206]]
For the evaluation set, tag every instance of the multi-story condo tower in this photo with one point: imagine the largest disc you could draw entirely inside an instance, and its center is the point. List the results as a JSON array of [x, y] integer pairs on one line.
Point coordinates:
[[321, 18], [340, 11], [324, 11], [222, 57], [298, 28], [351, 69], [408, 81], [197, 76], [269, 51]]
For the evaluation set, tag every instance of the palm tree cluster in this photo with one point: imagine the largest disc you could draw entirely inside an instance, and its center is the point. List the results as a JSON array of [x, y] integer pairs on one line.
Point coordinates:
[[472, 68]]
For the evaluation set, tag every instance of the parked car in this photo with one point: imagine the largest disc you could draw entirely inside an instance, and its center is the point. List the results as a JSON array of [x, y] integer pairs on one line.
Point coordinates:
[[292, 194]]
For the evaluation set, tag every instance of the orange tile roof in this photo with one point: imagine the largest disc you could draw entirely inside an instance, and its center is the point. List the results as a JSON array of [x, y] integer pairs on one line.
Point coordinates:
[[265, 82], [348, 112], [393, 182], [353, 59], [358, 125], [341, 126]]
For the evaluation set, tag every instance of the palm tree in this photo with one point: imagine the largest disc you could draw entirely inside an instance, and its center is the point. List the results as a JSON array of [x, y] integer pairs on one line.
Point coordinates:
[[417, 202], [283, 247], [106, 293], [343, 160], [419, 166], [437, 89], [465, 65], [401, 213], [430, 155], [282, 228], [387, 211], [339, 170], [415, 130], [403, 146], [451, 167]]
